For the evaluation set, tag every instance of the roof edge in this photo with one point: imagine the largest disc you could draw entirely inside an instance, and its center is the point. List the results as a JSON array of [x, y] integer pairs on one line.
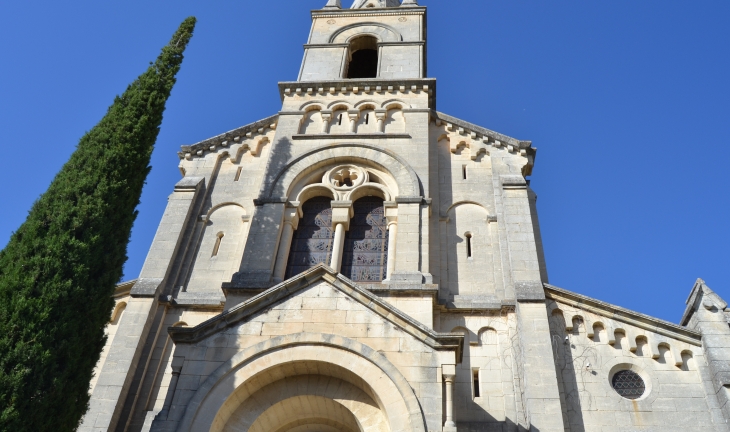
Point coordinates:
[[234, 136], [622, 314], [438, 341], [123, 289], [471, 127]]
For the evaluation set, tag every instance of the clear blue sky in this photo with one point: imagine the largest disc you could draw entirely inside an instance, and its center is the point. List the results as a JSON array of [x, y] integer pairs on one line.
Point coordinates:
[[627, 102]]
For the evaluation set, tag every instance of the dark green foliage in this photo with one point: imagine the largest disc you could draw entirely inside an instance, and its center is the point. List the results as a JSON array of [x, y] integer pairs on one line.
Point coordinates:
[[59, 270]]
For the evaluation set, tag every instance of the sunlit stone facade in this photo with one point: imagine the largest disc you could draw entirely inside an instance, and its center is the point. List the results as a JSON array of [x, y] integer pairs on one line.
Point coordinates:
[[360, 261]]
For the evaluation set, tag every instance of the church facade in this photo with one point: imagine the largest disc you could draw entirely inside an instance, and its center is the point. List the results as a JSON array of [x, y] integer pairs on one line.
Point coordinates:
[[360, 261]]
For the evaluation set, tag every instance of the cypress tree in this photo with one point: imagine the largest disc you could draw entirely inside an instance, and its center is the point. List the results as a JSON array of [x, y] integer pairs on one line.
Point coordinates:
[[59, 269]]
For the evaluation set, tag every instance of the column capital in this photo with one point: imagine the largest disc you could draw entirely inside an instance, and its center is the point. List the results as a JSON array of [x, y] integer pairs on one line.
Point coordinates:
[[342, 212], [391, 212], [448, 370], [292, 215]]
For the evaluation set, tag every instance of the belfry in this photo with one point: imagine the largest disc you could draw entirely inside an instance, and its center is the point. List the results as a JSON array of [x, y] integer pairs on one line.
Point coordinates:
[[360, 261]]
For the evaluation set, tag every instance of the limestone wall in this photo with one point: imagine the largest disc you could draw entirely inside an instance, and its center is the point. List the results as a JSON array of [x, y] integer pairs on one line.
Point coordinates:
[[487, 392], [319, 309], [589, 349]]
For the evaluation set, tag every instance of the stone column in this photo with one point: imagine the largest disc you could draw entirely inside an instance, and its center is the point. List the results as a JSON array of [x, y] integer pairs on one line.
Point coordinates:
[[353, 115], [341, 213], [291, 222], [391, 215], [449, 374], [337, 247], [380, 115], [326, 119]]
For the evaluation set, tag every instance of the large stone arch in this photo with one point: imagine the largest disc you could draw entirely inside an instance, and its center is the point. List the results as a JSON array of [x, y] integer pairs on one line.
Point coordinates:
[[277, 186], [252, 369], [382, 32], [305, 396]]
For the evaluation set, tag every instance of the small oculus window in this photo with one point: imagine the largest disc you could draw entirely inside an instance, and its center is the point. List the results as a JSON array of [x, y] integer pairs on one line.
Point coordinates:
[[628, 384]]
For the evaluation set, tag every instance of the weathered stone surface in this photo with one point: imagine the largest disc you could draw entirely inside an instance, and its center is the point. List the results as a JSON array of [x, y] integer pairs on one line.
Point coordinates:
[[450, 324]]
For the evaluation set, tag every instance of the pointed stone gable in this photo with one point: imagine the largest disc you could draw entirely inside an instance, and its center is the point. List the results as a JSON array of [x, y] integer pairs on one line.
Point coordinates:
[[322, 301]]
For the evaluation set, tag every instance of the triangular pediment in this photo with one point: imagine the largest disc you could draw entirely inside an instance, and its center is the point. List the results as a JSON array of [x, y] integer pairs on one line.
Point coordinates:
[[327, 281]]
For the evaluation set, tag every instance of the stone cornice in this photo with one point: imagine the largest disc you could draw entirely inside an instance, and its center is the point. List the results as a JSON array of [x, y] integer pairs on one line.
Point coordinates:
[[620, 314], [350, 136], [229, 138], [392, 11], [123, 289], [481, 132], [358, 86]]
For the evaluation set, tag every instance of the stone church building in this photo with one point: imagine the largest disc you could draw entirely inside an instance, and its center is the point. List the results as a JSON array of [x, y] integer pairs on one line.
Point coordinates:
[[362, 262]]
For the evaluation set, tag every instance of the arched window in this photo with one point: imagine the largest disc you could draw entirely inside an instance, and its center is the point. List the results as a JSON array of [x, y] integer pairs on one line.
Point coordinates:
[[365, 257], [363, 56], [312, 242]]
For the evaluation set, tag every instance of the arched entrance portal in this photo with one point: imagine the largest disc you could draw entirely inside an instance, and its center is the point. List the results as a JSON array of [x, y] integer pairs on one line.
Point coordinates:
[[305, 382], [307, 400]]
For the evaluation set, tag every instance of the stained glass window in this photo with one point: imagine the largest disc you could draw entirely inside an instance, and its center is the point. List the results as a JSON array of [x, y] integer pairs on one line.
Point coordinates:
[[365, 257], [312, 241], [628, 384]]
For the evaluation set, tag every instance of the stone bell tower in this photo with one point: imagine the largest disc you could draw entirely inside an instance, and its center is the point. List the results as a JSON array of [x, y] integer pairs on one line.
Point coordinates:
[[360, 261]]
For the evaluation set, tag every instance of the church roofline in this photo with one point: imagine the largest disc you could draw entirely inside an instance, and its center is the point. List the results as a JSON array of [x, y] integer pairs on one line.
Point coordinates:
[[624, 315], [483, 132], [437, 341], [123, 288], [228, 138], [260, 127]]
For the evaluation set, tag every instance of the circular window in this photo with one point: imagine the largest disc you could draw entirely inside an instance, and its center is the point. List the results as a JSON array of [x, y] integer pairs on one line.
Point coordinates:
[[345, 177], [628, 384]]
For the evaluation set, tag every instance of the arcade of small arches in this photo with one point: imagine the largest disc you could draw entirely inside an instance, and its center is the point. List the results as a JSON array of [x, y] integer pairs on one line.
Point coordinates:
[[341, 118]]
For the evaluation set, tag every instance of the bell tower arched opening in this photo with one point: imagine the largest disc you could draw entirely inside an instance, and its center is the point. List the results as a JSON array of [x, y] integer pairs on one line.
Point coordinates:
[[363, 58]]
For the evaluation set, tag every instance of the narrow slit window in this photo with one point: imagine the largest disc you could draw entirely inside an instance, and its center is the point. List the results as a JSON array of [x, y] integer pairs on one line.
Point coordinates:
[[367, 118], [339, 120], [217, 244], [475, 380], [463, 171], [238, 174], [468, 245]]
